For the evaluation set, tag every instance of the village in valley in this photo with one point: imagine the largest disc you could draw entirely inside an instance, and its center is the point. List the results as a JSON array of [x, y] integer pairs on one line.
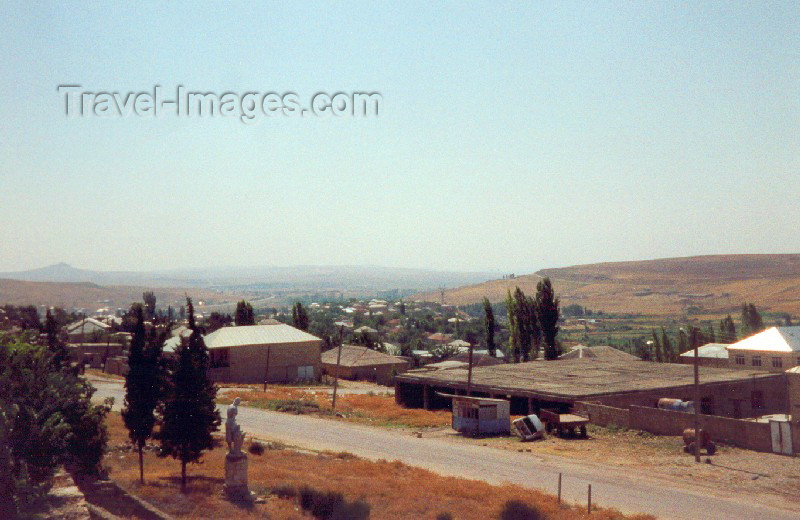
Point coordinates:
[[399, 260], [526, 376]]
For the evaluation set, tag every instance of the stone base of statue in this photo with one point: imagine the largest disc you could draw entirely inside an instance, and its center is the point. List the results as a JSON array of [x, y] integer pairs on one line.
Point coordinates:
[[235, 487]]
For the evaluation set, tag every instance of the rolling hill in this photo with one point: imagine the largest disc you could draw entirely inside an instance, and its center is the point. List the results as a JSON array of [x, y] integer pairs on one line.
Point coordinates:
[[90, 296], [670, 286]]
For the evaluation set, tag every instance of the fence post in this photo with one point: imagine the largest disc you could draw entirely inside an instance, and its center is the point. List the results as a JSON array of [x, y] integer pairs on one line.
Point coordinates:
[[559, 488], [589, 505]]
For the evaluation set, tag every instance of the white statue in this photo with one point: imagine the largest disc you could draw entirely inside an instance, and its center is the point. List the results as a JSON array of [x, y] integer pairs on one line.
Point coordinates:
[[234, 435]]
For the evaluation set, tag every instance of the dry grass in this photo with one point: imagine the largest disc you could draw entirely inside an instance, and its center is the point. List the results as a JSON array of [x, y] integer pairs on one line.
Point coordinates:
[[363, 408], [769, 281], [392, 489]]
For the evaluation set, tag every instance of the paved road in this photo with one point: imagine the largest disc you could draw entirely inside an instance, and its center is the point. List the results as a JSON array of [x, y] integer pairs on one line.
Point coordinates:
[[627, 490]]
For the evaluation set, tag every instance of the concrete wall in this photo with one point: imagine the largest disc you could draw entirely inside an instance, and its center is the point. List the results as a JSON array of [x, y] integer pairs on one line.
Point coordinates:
[[745, 434], [729, 399], [788, 360], [604, 415], [248, 363], [704, 361]]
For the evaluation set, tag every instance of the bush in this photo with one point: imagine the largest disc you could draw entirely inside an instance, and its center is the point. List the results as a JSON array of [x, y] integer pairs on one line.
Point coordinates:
[[517, 510], [284, 491], [256, 448], [331, 505], [444, 516]]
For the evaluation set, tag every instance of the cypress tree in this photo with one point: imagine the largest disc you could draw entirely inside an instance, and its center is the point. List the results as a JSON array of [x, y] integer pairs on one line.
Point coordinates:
[[666, 348], [143, 385], [525, 315], [189, 413], [54, 342], [244, 314], [658, 353], [547, 310], [299, 317], [513, 330], [489, 327]]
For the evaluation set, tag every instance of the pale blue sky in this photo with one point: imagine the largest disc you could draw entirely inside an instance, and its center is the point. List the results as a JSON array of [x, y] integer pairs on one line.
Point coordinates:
[[513, 137]]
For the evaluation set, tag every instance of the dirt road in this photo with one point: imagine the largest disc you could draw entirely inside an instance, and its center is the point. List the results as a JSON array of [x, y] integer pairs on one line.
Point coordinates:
[[627, 490]]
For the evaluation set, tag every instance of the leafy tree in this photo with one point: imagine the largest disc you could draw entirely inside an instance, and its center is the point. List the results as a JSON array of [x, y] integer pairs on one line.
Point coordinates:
[[217, 320], [658, 354], [489, 327], [149, 299], [683, 342], [752, 322], [143, 385], [670, 356], [244, 314], [299, 317], [182, 312], [189, 412], [402, 308], [55, 343], [547, 309], [727, 330], [46, 419], [513, 328]]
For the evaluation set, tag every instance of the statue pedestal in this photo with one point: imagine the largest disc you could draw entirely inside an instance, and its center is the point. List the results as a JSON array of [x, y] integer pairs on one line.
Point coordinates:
[[235, 487]]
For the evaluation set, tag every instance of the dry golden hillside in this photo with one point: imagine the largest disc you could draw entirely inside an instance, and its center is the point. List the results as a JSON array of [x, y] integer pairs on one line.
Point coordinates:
[[716, 284]]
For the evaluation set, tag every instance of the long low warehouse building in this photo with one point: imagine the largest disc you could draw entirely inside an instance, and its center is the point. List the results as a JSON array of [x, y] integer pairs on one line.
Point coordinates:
[[616, 382]]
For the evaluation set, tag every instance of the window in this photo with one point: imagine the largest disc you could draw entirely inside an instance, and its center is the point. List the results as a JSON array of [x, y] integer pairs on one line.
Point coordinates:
[[489, 413], [707, 405], [756, 361], [219, 358], [468, 412], [757, 399], [777, 362], [305, 372], [739, 359]]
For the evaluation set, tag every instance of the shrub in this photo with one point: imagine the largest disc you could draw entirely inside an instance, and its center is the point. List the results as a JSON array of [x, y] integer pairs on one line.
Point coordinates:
[[256, 448], [331, 505], [517, 510], [444, 516], [284, 491]]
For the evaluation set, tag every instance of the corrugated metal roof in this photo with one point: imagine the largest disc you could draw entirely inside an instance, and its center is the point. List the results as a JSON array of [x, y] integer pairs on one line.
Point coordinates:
[[256, 335], [774, 339]]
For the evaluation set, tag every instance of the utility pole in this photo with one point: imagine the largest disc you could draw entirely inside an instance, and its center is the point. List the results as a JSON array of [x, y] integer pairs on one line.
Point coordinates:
[[469, 373], [338, 360], [266, 370], [693, 336]]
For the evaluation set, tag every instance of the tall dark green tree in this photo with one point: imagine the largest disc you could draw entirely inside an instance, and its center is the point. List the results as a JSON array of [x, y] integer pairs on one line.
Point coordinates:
[[513, 328], [55, 344], [658, 353], [547, 309], [670, 356], [727, 330], [144, 384], [752, 322], [489, 327], [402, 308], [149, 299], [189, 412], [299, 317], [244, 314], [526, 316]]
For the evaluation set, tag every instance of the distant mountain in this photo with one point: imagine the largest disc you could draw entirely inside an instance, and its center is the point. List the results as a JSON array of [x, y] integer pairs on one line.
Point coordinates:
[[671, 286], [261, 277]]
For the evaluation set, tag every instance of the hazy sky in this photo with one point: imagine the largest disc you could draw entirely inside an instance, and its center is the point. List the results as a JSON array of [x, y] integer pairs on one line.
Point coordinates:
[[513, 138]]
